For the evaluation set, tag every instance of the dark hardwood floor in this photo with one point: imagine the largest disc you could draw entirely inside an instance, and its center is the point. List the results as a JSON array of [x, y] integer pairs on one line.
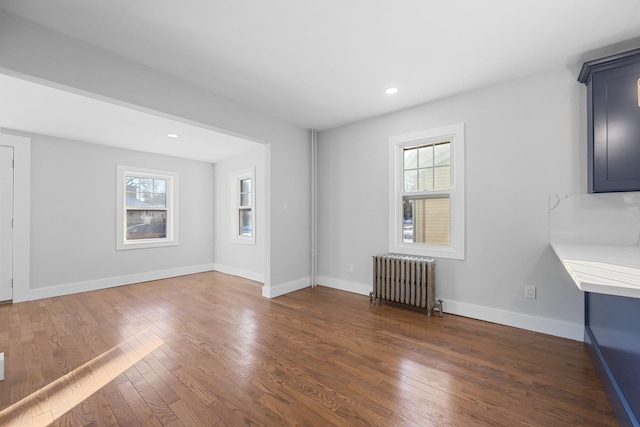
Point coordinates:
[[209, 350]]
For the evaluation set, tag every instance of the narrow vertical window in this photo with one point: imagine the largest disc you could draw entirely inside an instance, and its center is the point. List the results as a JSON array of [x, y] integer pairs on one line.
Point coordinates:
[[245, 209], [242, 206]]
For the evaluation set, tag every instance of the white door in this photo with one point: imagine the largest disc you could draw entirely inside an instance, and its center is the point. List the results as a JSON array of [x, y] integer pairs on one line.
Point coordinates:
[[6, 223]]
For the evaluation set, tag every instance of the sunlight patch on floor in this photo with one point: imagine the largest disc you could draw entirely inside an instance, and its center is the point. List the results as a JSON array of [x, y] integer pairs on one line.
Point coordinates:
[[46, 405]]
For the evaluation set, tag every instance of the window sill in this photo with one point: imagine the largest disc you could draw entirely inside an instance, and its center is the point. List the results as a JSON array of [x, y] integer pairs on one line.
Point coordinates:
[[243, 241], [144, 244], [433, 251]]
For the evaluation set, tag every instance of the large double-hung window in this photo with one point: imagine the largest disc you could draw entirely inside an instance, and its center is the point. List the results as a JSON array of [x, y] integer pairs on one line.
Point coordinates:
[[146, 208], [427, 193]]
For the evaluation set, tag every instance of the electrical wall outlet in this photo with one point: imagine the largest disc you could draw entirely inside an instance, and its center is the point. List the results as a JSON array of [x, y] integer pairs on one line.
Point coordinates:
[[530, 291], [352, 268]]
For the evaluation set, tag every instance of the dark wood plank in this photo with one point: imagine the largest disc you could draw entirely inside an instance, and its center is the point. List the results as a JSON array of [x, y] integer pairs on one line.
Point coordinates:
[[208, 349]]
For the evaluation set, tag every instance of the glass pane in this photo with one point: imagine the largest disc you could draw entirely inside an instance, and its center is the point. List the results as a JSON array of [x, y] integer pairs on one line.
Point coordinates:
[[136, 200], [407, 220], [144, 198], [432, 221], [245, 185], [245, 199], [158, 201], [146, 185], [245, 222], [411, 180], [132, 183], [146, 224], [132, 199], [425, 156], [410, 158], [425, 179], [442, 178], [159, 185], [443, 154]]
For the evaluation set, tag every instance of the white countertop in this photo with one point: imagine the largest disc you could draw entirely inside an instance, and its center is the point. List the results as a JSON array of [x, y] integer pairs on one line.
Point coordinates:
[[613, 270]]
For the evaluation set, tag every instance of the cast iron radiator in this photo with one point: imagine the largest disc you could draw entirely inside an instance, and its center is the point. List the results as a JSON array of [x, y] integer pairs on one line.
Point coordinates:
[[405, 279]]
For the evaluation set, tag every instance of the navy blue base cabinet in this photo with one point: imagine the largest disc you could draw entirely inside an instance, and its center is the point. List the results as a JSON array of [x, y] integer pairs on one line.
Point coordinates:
[[613, 334], [613, 122]]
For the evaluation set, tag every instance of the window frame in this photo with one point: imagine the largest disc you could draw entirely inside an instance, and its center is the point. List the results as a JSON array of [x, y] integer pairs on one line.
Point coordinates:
[[171, 239], [456, 194], [235, 206]]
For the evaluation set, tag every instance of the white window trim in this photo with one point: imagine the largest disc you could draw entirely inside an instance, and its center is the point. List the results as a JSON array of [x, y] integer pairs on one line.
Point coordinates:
[[456, 250], [234, 205], [172, 209]]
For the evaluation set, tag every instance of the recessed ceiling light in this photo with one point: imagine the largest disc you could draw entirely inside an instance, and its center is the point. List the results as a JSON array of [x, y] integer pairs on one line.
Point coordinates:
[[173, 135], [391, 90]]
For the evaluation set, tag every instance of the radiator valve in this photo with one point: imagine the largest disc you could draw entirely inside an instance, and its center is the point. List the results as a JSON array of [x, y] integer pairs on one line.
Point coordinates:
[[438, 307]]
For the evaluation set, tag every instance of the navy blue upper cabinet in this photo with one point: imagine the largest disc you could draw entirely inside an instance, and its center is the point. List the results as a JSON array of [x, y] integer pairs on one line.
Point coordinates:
[[613, 107]]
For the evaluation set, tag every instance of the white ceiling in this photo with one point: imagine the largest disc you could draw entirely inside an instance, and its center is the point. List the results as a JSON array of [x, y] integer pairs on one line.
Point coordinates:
[[322, 64], [35, 108]]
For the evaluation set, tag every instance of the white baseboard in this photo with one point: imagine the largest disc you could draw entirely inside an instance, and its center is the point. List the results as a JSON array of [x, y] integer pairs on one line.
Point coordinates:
[[110, 282], [234, 271], [344, 285], [544, 325], [559, 328], [285, 288]]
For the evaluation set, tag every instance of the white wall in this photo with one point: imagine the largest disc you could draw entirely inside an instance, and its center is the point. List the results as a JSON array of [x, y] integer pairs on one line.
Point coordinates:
[[73, 218], [595, 219], [31, 51], [525, 140], [239, 259]]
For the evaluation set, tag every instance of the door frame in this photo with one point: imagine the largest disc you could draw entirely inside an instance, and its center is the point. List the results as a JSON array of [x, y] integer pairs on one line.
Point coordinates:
[[22, 212], [6, 229]]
